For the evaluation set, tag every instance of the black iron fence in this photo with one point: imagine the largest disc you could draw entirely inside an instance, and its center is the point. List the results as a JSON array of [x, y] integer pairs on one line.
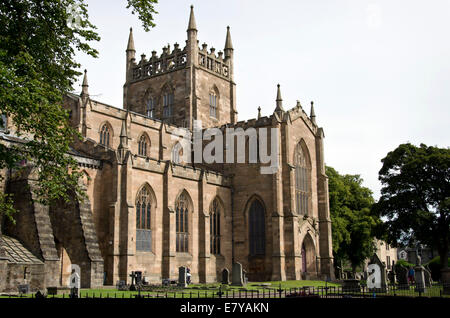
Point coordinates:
[[435, 290], [415, 290]]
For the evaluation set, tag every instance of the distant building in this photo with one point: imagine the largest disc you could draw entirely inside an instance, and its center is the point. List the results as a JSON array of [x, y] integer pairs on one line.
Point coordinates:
[[409, 254], [386, 253], [403, 255]]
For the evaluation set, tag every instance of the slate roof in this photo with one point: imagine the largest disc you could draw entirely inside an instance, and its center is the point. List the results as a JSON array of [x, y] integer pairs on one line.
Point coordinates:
[[16, 253]]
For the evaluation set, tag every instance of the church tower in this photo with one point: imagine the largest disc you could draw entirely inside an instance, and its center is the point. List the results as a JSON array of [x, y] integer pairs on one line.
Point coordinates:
[[183, 85]]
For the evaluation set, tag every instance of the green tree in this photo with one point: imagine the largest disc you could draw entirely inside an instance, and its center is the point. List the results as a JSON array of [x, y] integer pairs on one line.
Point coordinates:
[[415, 197], [353, 224], [38, 42]]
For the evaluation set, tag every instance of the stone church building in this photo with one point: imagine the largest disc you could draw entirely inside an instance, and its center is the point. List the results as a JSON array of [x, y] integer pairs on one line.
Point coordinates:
[[149, 211]]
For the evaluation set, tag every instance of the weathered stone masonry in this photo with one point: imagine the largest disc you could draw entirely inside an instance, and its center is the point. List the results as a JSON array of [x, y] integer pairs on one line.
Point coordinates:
[[148, 211]]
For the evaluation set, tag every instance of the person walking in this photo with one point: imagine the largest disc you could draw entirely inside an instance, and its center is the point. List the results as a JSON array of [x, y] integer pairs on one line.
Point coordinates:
[[411, 275]]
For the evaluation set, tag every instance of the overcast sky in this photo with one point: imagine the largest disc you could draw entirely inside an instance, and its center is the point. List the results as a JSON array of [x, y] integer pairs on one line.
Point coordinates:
[[377, 71]]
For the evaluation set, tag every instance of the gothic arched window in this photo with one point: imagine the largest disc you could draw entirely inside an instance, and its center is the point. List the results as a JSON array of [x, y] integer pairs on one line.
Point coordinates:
[[257, 229], [143, 220], [168, 100], [150, 111], [214, 227], [213, 104], [105, 135], [182, 220], [143, 145], [302, 179]]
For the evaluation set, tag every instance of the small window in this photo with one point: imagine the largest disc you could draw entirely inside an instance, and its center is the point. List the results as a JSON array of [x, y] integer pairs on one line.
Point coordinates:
[[213, 105], [105, 135], [143, 145]]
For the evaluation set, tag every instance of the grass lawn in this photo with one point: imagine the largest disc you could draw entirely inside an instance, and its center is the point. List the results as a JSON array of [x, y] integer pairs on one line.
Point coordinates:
[[301, 283], [209, 290], [268, 289]]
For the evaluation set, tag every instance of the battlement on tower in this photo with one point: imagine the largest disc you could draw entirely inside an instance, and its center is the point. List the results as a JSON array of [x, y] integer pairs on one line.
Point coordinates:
[[168, 61], [217, 64], [181, 85]]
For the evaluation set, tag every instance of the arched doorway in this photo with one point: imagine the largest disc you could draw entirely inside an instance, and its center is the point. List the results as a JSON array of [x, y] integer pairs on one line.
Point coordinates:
[[308, 253], [303, 258]]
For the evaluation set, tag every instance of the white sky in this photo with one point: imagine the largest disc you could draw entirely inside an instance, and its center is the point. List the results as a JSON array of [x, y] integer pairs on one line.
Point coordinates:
[[377, 71]]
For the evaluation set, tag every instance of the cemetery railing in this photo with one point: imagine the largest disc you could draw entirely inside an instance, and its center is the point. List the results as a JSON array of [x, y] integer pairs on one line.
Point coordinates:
[[392, 290]]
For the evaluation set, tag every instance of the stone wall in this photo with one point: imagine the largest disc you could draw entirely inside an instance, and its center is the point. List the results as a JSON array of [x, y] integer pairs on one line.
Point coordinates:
[[13, 276], [125, 179], [191, 74], [74, 228], [33, 227]]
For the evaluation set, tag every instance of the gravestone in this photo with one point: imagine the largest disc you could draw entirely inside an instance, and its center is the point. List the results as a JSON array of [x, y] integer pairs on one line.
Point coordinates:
[[376, 280], [401, 275], [182, 271], [39, 295], [351, 285], [188, 275], [412, 256], [166, 282], [75, 282], [138, 278], [133, 276], [419, 276], [121, 285], [52, 290], [237, 277], [339, 272], [428, 279], [391, 275], [24, 289], [225, 276], [349, 275]]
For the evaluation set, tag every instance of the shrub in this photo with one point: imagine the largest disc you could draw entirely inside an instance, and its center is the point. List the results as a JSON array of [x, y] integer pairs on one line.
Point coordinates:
[[402, 262], [435, 267]]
